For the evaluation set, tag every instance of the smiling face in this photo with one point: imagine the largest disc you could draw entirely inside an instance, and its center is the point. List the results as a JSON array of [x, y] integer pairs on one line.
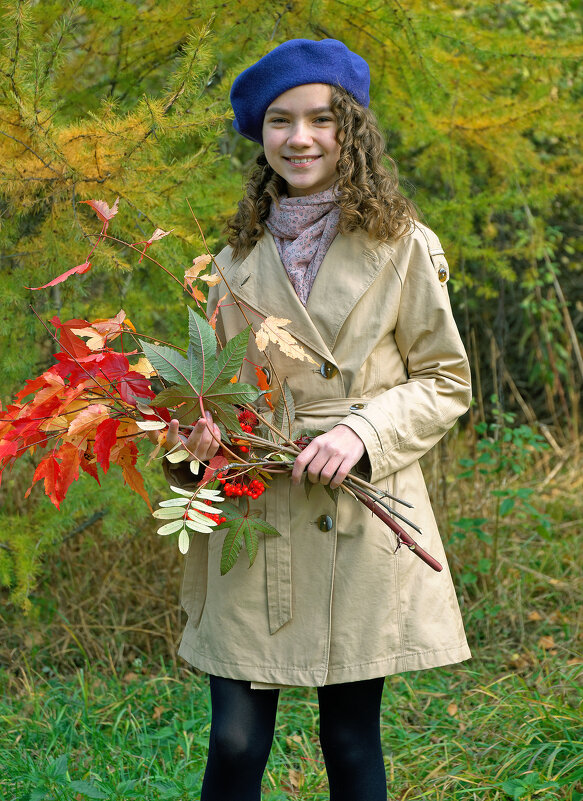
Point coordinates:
[[299, 139]]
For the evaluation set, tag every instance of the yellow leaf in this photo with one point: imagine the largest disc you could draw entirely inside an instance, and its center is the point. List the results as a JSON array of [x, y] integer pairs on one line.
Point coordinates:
[[452, 709], [210, 280], [143, 367], [272, 330], [198, 265]]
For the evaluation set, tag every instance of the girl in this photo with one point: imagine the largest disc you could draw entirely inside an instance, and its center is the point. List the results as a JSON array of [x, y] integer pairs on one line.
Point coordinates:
[[324, 239]]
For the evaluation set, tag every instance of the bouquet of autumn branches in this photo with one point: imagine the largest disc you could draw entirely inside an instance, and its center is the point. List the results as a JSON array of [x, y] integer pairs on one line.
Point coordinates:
[[91, 408]]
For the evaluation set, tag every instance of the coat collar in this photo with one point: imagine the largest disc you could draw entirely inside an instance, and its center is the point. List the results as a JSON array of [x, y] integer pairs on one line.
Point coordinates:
[[350, 266]]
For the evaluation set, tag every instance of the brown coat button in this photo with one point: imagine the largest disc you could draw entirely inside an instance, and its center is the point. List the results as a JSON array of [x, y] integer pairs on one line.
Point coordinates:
[[325, 523], [328, 370], [442, 274], [356, 406]]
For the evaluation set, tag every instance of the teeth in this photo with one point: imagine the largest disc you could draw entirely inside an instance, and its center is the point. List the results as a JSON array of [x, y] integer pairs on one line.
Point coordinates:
[[302, 161]]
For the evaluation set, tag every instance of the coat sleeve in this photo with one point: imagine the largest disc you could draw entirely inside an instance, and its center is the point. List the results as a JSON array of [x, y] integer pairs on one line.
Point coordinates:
[[401, 424]]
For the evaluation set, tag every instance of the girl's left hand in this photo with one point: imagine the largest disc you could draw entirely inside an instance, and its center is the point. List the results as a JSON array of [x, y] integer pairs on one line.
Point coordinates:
[[330, 457]]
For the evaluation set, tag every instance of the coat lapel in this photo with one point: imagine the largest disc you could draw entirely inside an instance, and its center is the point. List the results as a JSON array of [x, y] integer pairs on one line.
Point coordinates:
[[348, 269], [261, 281]]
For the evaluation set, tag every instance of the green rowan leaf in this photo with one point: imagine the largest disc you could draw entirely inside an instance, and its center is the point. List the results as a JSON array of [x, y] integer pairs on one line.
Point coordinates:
[[167, 362], [241, 529], [203, 343], [231, 357], [251, 543], [285, 412], [195, 367], [232, 544], [264, 527], [183, 399], [233, 393], [223, 414]]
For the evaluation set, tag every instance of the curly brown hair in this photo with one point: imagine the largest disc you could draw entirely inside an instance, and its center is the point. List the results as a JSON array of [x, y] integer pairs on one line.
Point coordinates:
[[368, 185]]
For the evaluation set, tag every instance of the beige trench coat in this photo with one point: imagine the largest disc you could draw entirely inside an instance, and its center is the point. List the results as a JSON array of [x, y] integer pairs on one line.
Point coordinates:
[[325, 607]]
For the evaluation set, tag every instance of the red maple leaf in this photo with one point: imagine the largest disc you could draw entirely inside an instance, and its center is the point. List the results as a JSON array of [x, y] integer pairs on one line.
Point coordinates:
[[104, 212], [214, 465], [48, 469], [78, 270], [70, 343], [127, 458], [158, 234], [89, 465], [105, 438], [70, 460]]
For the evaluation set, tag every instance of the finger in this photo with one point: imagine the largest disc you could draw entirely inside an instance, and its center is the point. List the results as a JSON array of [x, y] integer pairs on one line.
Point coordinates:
[[329, 471], [341, 473], [301, 461], [172, 434]]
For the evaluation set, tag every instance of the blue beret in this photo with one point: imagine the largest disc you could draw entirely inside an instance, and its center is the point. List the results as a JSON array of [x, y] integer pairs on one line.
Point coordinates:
[[294, 63]]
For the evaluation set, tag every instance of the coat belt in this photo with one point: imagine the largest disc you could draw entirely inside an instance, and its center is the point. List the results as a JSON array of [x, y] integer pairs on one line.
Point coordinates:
[[278, 550]]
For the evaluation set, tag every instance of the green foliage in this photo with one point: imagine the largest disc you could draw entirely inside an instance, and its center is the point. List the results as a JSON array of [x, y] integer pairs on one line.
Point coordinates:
[[504, 452]]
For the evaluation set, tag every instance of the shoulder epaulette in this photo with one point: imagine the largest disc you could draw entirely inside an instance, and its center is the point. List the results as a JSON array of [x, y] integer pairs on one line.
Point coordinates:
[[436, 252]]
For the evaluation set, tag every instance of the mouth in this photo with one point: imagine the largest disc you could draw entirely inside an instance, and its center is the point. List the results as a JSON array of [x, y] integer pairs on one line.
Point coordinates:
[[299, 161]]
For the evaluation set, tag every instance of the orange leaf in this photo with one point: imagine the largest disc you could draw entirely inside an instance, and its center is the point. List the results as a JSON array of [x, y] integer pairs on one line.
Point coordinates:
[[215, 314], [263, 385], [79, 270], [85, 423], [191, 274], [158, 234], [70, 343]]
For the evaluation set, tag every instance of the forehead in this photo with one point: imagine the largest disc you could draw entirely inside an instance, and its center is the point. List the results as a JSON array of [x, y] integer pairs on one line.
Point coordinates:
[[303, 98]]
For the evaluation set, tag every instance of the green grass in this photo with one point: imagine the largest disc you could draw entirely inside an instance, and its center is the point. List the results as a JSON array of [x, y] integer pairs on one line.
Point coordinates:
[[95, 705], [455, 733]]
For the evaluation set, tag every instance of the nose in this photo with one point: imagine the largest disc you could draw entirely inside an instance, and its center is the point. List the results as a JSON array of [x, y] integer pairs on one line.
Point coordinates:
[[299, 135]]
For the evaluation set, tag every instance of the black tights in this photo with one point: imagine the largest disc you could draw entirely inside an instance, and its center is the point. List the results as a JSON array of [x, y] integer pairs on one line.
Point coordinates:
[[243, 723]]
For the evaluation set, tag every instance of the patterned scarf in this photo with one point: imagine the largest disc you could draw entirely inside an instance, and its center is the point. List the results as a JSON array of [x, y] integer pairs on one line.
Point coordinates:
[[303, 229]]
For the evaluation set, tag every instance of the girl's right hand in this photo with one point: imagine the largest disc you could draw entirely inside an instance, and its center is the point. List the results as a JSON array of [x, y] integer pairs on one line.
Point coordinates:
[[203, 442]]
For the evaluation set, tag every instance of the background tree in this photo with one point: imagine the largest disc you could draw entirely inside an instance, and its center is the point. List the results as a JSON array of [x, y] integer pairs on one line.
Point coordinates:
[[480, 104]]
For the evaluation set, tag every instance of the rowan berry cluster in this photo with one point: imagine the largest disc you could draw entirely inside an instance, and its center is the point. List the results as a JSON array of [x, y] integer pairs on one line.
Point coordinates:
[[213, 516], [247, 418], [247, 421], [239, 487]]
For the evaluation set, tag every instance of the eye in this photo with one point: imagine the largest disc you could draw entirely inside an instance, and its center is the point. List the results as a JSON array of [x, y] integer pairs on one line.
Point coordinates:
[[324, 119], [277, 120]]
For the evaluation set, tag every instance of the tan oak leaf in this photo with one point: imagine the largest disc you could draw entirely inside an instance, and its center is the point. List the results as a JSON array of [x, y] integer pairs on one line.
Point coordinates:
[[272, 330]]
